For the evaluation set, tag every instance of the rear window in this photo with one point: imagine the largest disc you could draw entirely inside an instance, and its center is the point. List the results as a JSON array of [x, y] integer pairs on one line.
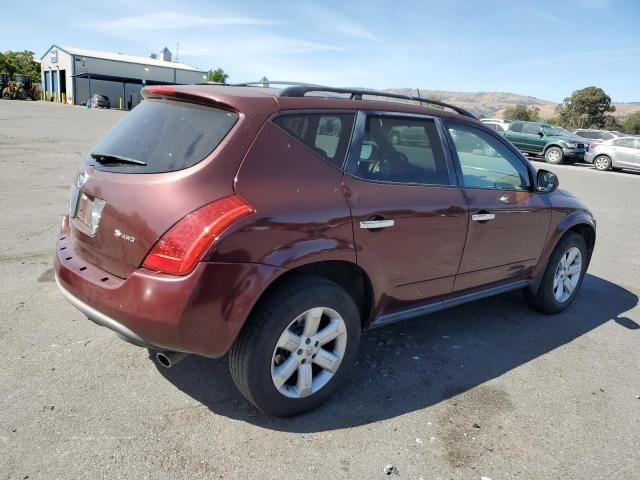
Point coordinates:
[[166, 136], [327, 134], [516, 127]]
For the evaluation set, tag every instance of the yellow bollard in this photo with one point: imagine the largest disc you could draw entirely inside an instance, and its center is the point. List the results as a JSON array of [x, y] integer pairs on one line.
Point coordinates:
[[64, 100], [120, 103]]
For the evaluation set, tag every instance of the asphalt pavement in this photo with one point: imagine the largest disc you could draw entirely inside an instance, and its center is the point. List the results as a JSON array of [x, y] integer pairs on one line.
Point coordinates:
[[486, 390]]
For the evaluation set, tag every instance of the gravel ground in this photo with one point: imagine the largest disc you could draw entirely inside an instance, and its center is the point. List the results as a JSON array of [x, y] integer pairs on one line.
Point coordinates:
[[490, 389]]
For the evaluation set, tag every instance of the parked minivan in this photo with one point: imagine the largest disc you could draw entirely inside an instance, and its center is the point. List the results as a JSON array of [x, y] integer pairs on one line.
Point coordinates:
[[276, 226]]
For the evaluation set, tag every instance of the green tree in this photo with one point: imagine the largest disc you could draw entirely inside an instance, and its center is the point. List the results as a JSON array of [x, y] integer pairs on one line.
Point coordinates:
[[631, 123], [585, 108], [612, 123], [522, 112], [19, 63], [218, 75]]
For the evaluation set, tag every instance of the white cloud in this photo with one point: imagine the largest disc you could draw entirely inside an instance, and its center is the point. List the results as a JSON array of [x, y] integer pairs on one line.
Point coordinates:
[[170, 21]]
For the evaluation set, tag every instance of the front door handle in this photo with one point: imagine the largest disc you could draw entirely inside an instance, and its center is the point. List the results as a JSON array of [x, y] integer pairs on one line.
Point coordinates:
[[482, 217], [374, 224]]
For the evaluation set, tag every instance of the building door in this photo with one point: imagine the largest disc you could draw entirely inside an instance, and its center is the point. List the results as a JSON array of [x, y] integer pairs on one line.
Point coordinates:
[[63, 85]]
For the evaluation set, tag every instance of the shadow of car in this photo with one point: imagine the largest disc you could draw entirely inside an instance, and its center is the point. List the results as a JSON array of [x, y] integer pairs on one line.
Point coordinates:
[[413, 365]]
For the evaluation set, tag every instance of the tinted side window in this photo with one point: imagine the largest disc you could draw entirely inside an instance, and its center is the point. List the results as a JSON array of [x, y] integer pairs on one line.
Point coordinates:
[[532, 128], [606, 136], [401, 150], [326, 134], [486, 162], [516, 127]]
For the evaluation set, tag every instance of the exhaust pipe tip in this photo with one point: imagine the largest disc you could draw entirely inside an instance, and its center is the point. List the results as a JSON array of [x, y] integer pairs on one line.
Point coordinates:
[[170, 359]]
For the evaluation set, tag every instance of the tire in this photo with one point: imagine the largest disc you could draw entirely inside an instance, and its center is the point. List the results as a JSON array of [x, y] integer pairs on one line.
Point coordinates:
[[602, 163], [546, 299], [553, 155], [255, 356], [6, 94]]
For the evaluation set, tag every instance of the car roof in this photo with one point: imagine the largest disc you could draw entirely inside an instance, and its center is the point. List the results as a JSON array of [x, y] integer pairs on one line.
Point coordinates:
[[241, 98]]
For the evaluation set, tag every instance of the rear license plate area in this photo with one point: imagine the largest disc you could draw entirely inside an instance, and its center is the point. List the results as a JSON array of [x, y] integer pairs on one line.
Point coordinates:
[[84, 209]]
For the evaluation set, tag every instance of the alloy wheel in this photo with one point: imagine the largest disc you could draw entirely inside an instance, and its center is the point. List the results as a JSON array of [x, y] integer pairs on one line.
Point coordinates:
[[567, 274], [309, 352], [601, 163]]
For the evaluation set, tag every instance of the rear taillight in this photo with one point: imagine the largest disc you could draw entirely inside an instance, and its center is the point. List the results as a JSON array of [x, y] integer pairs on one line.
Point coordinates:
[[178, 251], [592, 145]]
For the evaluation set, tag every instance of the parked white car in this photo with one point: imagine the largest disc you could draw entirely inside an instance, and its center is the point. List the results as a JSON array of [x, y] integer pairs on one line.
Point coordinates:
[[497, 124]]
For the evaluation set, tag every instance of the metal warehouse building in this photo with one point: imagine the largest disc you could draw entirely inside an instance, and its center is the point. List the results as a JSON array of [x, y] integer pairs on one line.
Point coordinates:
[[73, 75]]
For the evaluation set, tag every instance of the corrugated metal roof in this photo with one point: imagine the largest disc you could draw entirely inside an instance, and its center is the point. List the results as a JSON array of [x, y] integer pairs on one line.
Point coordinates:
[[120, 57]]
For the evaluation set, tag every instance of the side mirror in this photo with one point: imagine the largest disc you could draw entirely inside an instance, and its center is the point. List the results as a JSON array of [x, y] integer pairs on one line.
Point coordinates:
[[546, 181], [541, 134]]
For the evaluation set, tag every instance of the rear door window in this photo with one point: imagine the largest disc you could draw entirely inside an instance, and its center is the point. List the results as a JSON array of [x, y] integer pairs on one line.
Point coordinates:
[[162, 136], [327, 134], [532, 128], [401, 150], [516, 127]]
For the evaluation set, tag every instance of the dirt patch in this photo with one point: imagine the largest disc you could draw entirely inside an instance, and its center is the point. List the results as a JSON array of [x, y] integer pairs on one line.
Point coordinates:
[[472, 424], [48, 276]]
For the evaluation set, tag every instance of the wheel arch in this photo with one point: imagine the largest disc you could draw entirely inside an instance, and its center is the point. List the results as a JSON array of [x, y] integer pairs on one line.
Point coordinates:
[[549, 145], [351, 277], [579, 224]]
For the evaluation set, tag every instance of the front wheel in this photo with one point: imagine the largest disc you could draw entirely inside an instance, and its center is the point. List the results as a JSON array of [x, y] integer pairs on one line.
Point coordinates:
[[563, 277], [602, 163], [553, 155], [297, 346]]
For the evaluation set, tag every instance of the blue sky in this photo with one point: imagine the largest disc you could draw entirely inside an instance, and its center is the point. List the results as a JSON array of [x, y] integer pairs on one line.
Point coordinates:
[[540, 48]]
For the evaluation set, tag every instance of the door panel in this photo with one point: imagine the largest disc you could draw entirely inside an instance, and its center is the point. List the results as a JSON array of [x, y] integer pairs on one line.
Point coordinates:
[[508, 221], [509, 244], [419, 255], [409, 222]]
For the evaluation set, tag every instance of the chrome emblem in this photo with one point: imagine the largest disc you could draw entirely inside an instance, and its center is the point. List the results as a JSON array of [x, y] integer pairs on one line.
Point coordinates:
[[82, 179], [118, 234]]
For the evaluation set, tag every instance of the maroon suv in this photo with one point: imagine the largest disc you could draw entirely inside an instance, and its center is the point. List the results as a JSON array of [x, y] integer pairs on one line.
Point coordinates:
[[277, 225]]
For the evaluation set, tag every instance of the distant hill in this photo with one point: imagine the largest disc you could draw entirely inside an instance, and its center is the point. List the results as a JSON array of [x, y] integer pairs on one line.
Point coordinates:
[[493, 104]]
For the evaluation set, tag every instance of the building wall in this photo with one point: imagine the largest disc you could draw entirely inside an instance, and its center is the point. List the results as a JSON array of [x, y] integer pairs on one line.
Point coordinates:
[[54, 61], [57, 60], [134, 70]]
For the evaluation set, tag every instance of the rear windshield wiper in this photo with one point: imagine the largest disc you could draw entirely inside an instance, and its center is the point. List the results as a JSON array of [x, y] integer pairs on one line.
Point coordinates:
[[107, 158]]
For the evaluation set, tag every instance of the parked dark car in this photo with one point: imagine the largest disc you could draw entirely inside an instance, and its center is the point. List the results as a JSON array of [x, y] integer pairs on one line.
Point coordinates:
[[100, 101], [552, 143], [218, 219]]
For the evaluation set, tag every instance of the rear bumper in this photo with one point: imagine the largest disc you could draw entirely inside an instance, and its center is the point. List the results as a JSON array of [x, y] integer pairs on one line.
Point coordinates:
[[199, 313], [573, 153]]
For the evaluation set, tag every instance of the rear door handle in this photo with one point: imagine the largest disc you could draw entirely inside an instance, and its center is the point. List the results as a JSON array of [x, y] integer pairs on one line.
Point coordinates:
[[482, 217], [373, 224]]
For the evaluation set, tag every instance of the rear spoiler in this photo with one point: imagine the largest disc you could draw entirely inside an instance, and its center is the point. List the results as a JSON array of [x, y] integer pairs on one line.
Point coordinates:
[[184, 95]]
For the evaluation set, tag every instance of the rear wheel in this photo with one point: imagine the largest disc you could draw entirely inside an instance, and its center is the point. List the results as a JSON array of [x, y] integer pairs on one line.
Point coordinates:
[[563, 277], [297, 347], [554, 155], [602, 163]]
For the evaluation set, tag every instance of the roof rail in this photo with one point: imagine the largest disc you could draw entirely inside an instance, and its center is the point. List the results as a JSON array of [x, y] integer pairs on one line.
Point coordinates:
[[299, 90], [268, 83]]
